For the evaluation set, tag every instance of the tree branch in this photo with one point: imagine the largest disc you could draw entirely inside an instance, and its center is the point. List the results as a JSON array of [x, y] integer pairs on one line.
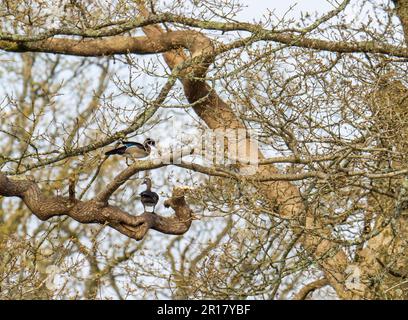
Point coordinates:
[[188, 39], [309, 288], [93, 211]]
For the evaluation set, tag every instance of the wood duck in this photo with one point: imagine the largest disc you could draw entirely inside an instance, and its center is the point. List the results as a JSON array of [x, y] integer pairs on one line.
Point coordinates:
[[148, 197], [131, 149]]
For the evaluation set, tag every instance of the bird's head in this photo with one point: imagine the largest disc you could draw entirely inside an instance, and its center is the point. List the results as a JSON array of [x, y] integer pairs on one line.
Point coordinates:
[[147, 181], [150, 142]]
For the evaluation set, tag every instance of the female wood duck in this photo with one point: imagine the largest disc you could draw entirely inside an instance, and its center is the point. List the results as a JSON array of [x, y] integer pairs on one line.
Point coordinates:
[[148, 197], [133, 149]]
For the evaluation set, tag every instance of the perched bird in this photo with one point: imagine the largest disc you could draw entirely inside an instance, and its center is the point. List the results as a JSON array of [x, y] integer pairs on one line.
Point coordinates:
[[148, 197], [131, 149]]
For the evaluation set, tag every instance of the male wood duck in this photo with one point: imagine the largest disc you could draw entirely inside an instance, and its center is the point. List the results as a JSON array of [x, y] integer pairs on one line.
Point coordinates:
[[131, 149], [148, 197]]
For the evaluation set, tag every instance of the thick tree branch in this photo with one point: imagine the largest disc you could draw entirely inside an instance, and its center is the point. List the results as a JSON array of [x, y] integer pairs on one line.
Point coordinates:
[[93, 211], [188, 39]]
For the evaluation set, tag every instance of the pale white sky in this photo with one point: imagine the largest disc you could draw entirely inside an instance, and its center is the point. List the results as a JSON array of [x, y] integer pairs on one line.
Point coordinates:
[[256, 8]]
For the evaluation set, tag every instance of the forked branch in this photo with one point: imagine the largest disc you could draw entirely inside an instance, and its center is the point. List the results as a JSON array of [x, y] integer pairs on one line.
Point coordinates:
[[94, 211]]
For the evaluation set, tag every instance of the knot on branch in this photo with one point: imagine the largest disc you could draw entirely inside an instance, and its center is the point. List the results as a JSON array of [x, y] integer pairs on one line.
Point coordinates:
[[177, 198]]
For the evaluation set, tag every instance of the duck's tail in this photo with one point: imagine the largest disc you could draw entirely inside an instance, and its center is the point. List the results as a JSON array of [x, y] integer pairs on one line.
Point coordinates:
[[120, 150]]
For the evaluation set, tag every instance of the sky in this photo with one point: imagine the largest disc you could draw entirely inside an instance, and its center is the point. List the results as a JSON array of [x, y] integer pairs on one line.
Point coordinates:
[[255, 8]]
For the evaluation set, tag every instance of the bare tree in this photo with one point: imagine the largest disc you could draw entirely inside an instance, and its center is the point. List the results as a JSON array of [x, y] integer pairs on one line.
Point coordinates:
[[326, 96]]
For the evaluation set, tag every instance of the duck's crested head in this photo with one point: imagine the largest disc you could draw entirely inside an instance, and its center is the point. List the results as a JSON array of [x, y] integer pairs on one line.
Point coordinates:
[[149, 142]]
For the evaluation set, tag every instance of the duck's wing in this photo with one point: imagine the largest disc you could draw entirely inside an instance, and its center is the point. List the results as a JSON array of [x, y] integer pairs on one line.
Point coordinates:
[[133, 144], [137, 152], [149, 197], [154, 196], [120, 150]]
